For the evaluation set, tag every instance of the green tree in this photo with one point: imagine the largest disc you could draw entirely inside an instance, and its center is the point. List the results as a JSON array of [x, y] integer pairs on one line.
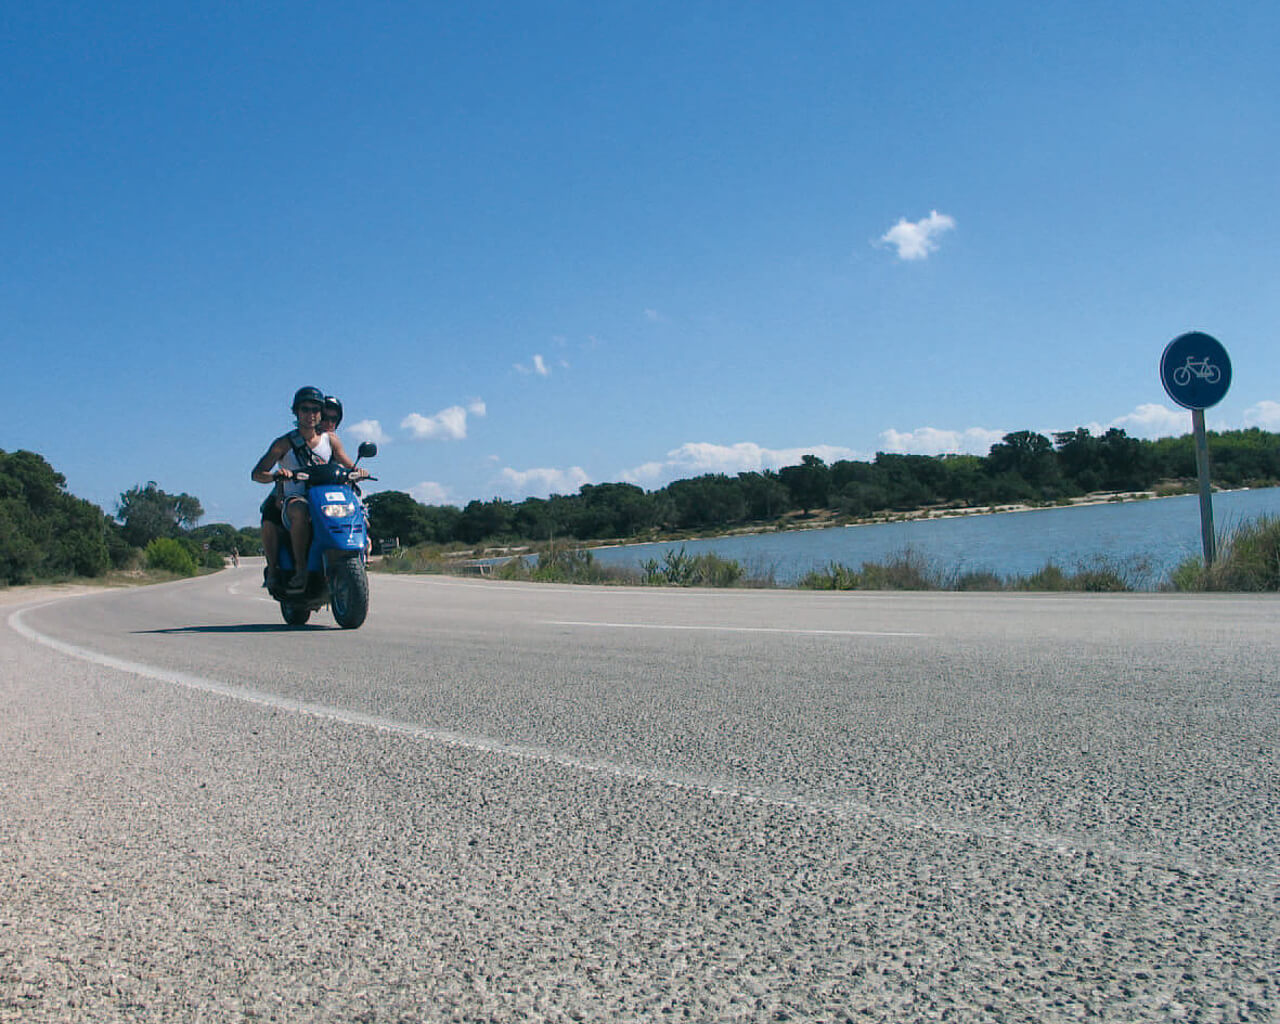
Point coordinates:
[[481, 520], [965, 479], [861, 499], [394, 514], [44, 531], [910, 481], [1125, 463], [536, 519], [766, 496], [170, 555], [1078, 459], [611, 510], [1244, 457], [712, 499], [1030, 456], [809, 483], [148, 512]]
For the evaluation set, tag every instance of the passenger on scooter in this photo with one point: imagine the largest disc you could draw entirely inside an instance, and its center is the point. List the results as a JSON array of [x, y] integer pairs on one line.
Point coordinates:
[[330, 419], [306, 445], [331, 414]]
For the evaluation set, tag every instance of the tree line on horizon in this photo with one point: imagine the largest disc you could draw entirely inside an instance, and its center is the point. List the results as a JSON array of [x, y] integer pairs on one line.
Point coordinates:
[[1023, 467], [48, 533]]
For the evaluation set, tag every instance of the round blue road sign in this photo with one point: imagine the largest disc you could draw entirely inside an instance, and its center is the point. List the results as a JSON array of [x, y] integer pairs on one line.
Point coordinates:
[[1195, 370]]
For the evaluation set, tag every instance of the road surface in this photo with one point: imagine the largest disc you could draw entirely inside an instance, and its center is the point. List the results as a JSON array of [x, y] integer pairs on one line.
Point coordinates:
[[521, 802]]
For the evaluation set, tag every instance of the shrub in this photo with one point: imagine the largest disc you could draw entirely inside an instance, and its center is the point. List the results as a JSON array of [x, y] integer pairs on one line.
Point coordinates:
[[1051, 577], [419, 558], [1101, 576], [567, 565], [564, 565], [1099, 581], [980, 580], [680, 569], [1189, 575], [906, 570], [834, 577], [170, 555], [1248, 560]]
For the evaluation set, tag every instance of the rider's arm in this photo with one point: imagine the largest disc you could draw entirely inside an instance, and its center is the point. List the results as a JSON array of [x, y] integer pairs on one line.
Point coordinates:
[[263, 471], [341, 457]]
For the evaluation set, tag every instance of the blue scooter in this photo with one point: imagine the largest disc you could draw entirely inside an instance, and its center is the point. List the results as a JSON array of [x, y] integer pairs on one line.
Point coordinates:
[[339, 548]]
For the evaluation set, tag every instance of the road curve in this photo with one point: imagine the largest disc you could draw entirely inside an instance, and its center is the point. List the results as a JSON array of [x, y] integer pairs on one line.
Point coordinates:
[[514, 802]]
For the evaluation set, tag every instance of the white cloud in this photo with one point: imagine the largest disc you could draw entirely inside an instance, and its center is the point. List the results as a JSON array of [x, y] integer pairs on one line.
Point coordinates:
[[447, 425], [698, 457], [539, 367], [431, 493], [645, 472], [477, 407], [1152, 420], [932, 441], [541, 483], [1265, 414], [368, 430], [1147, 421], [654, 317], [915, 241]]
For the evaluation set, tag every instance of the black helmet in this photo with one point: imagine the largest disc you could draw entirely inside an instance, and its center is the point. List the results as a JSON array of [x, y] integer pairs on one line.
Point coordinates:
[[307, 395], [334, 403]]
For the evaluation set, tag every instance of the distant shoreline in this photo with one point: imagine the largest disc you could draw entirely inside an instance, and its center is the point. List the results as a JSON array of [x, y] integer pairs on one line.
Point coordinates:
[[833, 522]]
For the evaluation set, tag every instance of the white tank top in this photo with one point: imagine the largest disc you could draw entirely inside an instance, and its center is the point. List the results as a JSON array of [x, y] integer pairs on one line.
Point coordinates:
[[321, 453]]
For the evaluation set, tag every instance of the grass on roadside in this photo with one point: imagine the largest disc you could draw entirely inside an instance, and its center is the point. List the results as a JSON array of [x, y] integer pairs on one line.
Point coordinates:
[[559, 564], [910, 570], [678, 568], [1248, 560]]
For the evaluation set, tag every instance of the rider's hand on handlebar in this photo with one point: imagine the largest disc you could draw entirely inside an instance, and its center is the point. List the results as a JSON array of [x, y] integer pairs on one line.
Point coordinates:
[[282, 474], [359, 474]]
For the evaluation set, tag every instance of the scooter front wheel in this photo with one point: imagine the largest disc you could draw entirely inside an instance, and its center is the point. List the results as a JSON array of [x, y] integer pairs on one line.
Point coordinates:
[[349, 593], [295, 612]]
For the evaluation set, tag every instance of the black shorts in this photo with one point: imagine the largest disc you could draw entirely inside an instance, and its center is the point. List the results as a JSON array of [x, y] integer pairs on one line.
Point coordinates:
[[271, 510]]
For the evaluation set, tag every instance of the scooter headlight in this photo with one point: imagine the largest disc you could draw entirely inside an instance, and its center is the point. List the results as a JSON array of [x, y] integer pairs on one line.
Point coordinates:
[[338, 511]]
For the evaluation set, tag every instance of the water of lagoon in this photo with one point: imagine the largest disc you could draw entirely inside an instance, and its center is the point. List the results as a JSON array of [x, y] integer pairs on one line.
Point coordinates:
[[1145, 538]]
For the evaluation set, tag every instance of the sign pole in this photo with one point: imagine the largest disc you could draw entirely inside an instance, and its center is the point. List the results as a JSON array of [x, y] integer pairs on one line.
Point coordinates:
[[1196, 372], [1206, 501]]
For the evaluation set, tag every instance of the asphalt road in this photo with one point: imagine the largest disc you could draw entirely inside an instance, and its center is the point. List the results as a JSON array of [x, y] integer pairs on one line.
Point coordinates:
[[505, 802]]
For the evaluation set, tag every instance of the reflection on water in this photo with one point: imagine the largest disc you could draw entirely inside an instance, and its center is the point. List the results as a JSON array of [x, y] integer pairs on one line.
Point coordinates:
[[1149, 538]]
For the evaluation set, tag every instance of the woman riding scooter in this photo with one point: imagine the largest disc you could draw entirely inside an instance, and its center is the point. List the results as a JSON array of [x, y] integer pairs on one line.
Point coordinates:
[[306, 445]]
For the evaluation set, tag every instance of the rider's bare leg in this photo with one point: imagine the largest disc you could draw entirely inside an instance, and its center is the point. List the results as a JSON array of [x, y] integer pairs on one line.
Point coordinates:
[[300, 537], [271, 543]]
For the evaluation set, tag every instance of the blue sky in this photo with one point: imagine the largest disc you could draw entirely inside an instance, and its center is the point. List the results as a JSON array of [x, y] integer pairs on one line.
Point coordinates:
[[535, 245]]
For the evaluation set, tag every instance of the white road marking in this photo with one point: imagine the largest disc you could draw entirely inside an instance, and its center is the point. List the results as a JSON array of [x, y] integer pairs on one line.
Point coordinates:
[[730, 629], [938, 824]]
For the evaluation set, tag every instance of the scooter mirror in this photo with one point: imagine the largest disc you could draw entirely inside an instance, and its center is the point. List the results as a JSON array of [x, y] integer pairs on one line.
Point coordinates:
[[367, 450]]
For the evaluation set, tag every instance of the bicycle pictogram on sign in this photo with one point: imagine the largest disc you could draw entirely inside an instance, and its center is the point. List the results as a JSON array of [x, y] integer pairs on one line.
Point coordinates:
[[1195, 370], [1201, 368]]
